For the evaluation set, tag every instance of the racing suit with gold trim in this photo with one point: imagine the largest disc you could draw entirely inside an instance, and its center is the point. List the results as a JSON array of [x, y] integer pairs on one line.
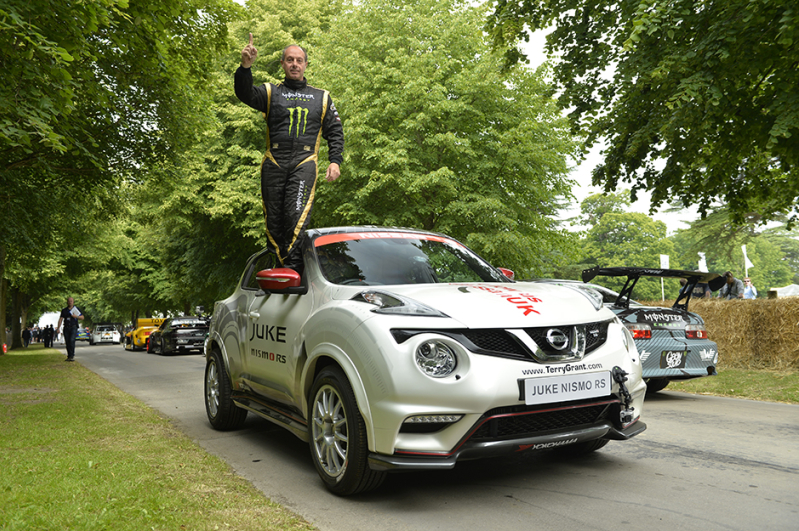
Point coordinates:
[[298, 116]]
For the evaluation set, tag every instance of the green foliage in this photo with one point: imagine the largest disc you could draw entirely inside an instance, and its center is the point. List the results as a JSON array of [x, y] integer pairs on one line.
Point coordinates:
[[94, 93], [437, 137], [708, 88], [625, 239]]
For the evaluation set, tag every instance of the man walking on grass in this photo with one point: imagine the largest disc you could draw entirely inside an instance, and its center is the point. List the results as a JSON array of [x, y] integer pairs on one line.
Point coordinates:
[[70, 317]]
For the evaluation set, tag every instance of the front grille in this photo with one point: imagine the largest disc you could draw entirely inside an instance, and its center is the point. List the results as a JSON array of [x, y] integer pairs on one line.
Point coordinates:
[[495, 341], [595, 336], [499, 342], [523, 421]]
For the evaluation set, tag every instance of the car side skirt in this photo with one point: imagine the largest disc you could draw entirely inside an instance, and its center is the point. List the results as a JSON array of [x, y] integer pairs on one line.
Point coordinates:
[[273, 413]]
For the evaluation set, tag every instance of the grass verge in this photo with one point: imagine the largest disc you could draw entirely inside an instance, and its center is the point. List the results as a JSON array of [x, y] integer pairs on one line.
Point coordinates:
[[771, 386], [78, 453]]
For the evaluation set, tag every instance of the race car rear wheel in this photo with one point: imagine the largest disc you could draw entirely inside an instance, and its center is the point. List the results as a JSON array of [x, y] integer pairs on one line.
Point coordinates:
[[339, 446], [222, 413], [653, 385]]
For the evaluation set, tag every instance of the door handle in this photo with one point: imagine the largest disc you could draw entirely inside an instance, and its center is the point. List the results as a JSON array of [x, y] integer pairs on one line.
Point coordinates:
[[255, 315]]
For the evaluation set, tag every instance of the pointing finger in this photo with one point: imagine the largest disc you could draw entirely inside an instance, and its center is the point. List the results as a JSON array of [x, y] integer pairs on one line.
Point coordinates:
[[250, 39]]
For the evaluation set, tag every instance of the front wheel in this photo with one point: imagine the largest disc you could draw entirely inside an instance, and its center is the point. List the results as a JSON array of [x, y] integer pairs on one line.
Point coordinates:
[[222, 413], [339, 446]]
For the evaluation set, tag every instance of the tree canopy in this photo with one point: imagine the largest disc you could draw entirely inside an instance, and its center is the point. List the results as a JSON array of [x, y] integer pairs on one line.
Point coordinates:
[[696, 99], [439, 137], [625, 239], [93, 93]]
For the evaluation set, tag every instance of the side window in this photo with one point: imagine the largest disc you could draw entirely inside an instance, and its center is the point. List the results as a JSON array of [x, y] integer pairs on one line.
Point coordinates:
[[267, 260]]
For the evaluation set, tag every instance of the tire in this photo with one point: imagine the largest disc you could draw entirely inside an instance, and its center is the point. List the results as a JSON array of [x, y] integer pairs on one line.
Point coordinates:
[[222, 413], [339, 446], [162, 351], [578, 449], [149, 347], [653, 385]]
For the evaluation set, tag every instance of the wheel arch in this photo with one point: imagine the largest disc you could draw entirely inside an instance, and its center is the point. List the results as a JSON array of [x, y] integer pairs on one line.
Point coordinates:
[[326, 355]]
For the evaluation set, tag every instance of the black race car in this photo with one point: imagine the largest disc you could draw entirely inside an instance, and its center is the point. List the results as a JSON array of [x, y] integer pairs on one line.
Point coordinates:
[[179, 334]]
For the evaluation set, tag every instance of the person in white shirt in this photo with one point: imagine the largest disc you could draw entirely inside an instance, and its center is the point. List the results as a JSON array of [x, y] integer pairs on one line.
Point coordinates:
[[70, 317], [750, 292]]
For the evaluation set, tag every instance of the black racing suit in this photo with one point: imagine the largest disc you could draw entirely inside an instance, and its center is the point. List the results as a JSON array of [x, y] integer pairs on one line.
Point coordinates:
[[298, 116]]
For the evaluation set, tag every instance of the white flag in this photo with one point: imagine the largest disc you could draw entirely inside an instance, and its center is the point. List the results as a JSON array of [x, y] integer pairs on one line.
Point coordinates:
[[702, 263], [747, 263], [664, 261]]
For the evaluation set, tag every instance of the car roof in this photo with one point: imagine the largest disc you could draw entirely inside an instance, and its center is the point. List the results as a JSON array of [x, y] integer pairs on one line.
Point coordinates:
[[314, 233]]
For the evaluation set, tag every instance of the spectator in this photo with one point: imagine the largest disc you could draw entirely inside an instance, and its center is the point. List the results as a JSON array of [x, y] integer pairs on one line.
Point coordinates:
[[750, 292], [26, 337], [733, 289], [702, 291], [70, 317]]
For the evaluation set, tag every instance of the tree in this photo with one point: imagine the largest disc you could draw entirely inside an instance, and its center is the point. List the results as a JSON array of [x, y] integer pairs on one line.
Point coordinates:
[[438, 137], [93, 93], [624, 239], [697, 99]]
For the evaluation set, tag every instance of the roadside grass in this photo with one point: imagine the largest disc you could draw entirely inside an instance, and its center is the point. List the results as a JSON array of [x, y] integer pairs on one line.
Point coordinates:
[[771, 386], [78, 453]]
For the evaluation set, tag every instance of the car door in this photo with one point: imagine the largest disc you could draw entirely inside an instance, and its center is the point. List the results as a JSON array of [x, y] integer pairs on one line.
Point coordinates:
[[274, 343]]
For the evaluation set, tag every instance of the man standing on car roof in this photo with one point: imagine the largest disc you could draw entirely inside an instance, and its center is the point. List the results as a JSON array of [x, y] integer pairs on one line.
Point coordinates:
[[298, 116]]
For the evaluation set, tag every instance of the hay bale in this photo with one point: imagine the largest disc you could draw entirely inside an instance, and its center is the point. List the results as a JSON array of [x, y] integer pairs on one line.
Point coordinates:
[[751, 334]]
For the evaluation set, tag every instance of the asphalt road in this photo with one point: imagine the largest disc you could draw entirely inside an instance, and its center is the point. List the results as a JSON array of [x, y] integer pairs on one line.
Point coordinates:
[[705, 463]]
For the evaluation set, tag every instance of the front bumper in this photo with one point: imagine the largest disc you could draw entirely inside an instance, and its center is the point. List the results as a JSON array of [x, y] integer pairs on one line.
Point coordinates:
[[482, 449]]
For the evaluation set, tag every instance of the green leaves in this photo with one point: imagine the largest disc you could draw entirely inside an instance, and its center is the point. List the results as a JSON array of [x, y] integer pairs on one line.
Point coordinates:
[[438, 137], [696, 100]]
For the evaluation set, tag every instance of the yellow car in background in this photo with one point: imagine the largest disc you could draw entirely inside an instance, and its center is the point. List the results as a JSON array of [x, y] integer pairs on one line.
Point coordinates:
[[137, 338]]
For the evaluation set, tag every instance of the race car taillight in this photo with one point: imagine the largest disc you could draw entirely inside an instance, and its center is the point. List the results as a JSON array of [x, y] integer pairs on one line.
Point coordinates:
[[639, 330], [695, 332]]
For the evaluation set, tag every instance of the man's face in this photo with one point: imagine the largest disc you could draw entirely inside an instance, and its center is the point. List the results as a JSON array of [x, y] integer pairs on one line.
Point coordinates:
[[70, 302], [730, 279], [294, 63]]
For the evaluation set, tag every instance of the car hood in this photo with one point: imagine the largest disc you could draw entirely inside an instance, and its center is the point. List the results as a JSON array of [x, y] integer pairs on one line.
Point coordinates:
[[493, 305]]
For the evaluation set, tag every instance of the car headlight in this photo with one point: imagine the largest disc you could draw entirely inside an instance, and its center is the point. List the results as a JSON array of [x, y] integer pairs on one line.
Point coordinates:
[[396, 304], [436, 359]]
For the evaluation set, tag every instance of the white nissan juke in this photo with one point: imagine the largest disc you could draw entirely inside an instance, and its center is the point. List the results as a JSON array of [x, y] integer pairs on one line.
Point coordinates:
[[400, 349]]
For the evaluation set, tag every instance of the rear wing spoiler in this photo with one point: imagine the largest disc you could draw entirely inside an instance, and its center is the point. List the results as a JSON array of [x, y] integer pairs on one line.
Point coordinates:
[[714, 280]]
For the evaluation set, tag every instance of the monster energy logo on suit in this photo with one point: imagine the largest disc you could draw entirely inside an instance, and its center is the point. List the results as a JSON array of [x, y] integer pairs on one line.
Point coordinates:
[[301, 117]]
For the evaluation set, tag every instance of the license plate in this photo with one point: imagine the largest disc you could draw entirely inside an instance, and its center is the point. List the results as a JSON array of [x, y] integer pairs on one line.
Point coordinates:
[[673, 359], [565, 388]]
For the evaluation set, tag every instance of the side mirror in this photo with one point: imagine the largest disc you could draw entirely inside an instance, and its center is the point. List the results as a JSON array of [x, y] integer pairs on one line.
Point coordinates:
[[507, 272], [278, 279]]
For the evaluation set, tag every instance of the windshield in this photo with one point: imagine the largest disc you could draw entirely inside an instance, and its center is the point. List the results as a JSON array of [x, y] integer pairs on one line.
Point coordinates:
[[104, 328], [399, 258]]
